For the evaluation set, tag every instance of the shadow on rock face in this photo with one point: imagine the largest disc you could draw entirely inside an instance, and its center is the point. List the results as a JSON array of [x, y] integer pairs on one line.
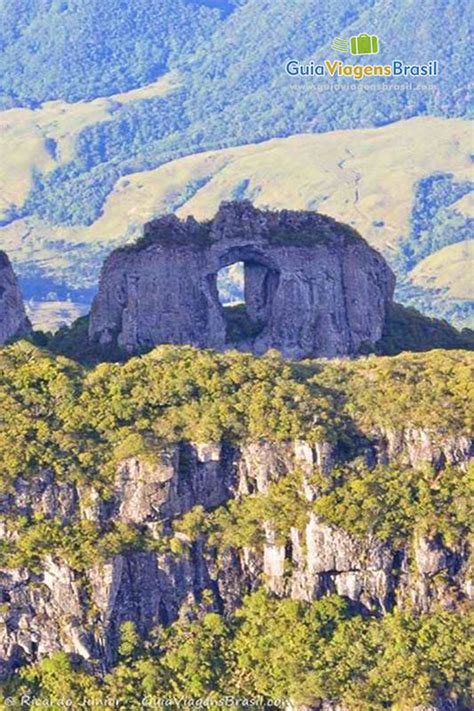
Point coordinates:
[[313, 287]]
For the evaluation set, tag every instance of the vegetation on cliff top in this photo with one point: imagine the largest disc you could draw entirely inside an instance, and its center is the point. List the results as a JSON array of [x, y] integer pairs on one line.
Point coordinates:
[[60, 416], [55, 415], [78, 424], [309, 229]]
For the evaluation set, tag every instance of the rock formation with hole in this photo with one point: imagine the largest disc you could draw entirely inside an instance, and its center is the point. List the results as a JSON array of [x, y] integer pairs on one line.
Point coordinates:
[[313, 286], [13, 320]]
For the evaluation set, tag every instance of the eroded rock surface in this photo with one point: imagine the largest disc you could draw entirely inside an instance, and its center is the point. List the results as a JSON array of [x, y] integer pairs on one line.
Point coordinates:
[[13, 319], [81, 611], [313, 287]]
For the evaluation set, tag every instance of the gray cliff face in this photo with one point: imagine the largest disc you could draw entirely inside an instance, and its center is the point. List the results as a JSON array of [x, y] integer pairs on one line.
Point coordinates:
[[13, 320], [59, 608], [313, 287]]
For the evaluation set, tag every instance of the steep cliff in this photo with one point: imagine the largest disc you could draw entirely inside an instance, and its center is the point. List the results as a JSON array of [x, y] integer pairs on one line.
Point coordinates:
[[313, 287], [13, 320], [80, 609], [187, 480]]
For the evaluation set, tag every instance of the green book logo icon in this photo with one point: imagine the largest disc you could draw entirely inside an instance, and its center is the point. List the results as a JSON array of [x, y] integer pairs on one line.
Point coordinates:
[[365, 44]]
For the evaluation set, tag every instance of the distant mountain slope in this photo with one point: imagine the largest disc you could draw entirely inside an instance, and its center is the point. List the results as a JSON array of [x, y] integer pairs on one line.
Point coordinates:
[[449, 268], [369, 178], [76, 178], [234, 87], [35, 141], [83, 49]]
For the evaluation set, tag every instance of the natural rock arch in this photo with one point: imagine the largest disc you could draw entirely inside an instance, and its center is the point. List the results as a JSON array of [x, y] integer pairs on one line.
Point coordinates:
[[261, 279], [316, 287]]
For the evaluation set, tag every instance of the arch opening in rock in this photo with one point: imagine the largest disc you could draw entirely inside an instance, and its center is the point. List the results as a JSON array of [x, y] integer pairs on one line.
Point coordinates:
[[245, 284], [230, 284], [312, 287], [242, 322]]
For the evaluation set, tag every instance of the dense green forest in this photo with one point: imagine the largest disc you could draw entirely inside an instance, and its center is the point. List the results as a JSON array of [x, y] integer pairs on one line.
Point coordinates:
[[85, 420], [276, 649], [78, 423], [90, 48], [226, 97]]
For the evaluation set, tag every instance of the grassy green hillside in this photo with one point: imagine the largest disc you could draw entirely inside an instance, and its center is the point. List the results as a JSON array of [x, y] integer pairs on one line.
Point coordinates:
[[109, 96], [227, 96], [448, 268], [41, 139], [85, 418]]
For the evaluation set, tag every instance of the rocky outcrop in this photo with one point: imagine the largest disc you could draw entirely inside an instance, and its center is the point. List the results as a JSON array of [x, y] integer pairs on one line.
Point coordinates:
[[13, 320], [81, 611], [313, 287]]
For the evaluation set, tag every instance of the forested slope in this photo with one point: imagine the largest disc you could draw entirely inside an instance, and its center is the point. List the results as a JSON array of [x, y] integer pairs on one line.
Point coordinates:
[[229, 95], [198, 525]]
